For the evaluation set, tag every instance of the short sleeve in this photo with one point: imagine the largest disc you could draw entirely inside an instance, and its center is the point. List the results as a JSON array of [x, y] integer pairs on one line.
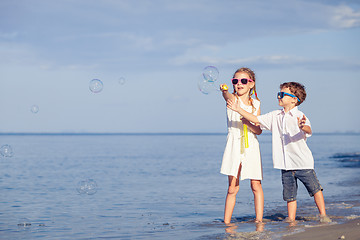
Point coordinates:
[[266, 120], [256, 105]]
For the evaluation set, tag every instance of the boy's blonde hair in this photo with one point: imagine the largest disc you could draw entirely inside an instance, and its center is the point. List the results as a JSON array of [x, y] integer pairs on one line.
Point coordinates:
[[297, 89], [251, 74]]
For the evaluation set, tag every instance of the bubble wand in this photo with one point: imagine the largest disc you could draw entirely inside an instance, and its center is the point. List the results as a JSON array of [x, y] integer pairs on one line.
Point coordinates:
[[224, 87], [246, 136]]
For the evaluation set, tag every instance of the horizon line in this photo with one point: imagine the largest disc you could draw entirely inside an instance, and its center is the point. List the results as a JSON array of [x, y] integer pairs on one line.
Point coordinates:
[[153, 133]]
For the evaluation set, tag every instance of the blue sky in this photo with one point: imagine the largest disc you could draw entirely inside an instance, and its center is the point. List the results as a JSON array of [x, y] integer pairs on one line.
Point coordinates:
[[50, 50]]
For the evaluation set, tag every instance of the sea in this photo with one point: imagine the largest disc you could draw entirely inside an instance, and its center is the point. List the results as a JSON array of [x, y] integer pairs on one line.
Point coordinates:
[[159, 186]]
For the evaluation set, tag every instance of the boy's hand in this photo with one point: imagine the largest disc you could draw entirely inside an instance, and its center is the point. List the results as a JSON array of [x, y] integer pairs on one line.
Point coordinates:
[[245, 121], [236, 107], [301, 122], [302, 126], [232, 105]]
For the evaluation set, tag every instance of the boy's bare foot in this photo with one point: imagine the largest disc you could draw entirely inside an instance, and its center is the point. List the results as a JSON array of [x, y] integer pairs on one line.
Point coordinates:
[[288, 220], [325, 219], [291, 222], [255, 221]]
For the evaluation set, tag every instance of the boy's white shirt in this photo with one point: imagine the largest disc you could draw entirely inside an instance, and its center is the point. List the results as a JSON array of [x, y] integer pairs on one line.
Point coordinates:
[[290, 151]]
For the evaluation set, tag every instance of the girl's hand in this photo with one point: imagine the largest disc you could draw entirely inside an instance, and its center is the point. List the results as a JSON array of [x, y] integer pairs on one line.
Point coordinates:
[[224, 87], [232, 105], [301, 122]]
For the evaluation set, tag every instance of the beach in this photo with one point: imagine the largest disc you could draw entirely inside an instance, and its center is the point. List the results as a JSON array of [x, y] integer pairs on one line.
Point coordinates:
[[349, 230]]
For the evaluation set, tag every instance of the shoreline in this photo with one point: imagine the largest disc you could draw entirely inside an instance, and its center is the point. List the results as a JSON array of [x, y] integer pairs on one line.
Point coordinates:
[[349, 230]]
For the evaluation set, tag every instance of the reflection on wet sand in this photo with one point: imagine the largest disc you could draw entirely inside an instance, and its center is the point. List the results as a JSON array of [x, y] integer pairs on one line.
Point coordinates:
[[260, 226], [231, 230], [265, 230]]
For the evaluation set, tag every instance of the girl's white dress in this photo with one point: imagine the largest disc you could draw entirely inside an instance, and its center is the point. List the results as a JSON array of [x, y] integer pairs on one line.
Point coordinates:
[[235, 152]]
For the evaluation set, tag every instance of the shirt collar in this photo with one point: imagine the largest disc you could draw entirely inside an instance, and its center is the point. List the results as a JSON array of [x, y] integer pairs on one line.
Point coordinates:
[[291, 112]]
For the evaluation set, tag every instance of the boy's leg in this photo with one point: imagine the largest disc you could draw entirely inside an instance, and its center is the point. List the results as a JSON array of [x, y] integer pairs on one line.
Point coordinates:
[[289, 192], [320, 203], [309, 179], [291, 207]]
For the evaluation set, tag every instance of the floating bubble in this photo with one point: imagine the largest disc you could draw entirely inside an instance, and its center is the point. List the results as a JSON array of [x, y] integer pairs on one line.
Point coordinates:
[[121, 80], [6, 150], [96, 85], [34, 108], [24, 224], [210, 73], [88, 186], [206, 87]]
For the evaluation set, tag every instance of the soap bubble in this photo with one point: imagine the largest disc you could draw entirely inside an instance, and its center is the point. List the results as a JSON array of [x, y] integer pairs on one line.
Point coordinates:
[[210, 73], [96, 85], [88, 186], [34, 108], [24, 224], [206, 87], [6, 150], [121, 81]]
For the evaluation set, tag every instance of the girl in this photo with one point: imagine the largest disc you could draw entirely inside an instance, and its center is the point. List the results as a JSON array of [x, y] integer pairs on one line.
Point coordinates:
[[241, 159]]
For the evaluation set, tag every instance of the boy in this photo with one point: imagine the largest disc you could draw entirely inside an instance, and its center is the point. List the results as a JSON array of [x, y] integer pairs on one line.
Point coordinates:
[[290, 128]]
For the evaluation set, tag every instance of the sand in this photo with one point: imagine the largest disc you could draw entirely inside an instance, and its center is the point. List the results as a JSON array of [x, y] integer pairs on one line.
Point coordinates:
[[349, 231]]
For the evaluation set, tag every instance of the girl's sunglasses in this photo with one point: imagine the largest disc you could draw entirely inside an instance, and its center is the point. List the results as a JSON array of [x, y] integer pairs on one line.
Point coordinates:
[[243, 80], [282, 94]]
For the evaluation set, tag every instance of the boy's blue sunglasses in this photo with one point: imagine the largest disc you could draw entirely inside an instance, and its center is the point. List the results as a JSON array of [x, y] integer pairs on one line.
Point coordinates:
[[282, 94]]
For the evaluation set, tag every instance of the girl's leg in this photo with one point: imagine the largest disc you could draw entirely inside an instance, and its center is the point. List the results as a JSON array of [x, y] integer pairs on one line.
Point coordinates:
[[231, 197], [258, 199]]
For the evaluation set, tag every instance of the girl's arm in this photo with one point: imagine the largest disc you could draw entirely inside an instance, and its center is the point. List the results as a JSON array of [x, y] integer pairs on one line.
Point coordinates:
[[226, 93], [245, 114]]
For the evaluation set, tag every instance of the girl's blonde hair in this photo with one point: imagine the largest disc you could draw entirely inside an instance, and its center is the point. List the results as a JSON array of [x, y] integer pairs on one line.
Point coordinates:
[[251, 74]]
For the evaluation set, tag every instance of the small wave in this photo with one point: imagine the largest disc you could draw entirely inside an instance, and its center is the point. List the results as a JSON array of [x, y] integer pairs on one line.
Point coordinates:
[[348, 159], [342, 205], [247, 236], [355, 155], [275, 217], [353, 216]]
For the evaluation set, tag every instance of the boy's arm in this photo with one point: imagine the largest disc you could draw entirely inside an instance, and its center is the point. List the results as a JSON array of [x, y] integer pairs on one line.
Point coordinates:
[[302, 126], [255, 128], [245, 114]]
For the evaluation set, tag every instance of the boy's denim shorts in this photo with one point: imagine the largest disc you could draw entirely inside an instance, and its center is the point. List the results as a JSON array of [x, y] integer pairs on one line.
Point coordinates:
[[290, 186]]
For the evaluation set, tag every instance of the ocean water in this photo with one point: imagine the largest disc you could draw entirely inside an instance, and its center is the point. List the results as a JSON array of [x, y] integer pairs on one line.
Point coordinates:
[[158, 186]]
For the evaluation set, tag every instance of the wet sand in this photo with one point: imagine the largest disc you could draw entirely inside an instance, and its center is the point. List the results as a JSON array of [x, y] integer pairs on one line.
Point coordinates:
[[348, 231]]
